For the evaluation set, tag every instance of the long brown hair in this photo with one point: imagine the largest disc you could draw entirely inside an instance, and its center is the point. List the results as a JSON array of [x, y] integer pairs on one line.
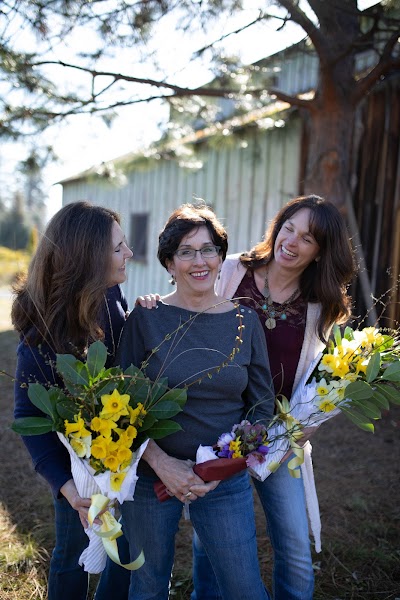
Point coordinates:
[[59, 301], [324, 281]]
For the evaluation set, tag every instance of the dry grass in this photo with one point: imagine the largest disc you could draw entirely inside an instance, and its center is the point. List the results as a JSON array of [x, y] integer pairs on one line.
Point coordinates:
[[11, 263], [357, 478]]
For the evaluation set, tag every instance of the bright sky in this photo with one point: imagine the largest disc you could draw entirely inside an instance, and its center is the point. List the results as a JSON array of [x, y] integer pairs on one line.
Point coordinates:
[[85, 141]]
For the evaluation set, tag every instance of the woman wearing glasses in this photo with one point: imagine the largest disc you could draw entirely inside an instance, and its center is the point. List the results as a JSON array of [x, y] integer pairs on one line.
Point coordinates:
[[195, 332]]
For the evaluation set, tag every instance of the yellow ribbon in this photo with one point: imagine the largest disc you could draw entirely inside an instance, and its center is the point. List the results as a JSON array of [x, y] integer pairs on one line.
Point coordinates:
[[109, 531], [294, 431]]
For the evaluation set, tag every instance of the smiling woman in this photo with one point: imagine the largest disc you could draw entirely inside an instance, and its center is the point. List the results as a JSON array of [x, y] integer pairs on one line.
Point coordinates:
[[69, 299], [203, 349]]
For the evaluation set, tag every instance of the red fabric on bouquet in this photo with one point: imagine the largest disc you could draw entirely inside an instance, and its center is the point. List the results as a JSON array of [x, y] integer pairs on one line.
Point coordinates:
[[210, 470]]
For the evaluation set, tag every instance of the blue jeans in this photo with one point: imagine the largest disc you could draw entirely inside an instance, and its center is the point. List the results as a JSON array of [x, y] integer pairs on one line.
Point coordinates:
[[114, 581], [283, 501], [66, 578], [224, 521]]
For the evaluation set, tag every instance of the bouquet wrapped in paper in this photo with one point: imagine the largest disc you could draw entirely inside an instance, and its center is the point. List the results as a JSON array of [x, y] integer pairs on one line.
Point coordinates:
[[358, 374], [104, 417], [244, 446]]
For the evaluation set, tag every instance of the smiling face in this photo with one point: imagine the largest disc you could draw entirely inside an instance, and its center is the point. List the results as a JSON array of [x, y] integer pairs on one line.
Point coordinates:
[[119, 255], [197, 275], [295, 246]]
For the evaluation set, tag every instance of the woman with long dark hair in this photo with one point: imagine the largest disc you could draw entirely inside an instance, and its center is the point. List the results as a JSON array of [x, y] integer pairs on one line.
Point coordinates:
[[69, 298], [296, 280]]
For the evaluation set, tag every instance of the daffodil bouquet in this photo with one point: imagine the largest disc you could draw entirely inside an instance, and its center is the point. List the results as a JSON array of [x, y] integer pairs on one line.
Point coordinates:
[[358, 374], [105, 418]]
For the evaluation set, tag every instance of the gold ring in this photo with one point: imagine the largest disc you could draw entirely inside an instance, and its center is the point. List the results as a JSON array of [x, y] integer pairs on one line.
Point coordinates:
[[188, 494]]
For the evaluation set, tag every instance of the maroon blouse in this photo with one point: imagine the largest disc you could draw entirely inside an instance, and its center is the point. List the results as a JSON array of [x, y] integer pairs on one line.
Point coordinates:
[[285, 341]]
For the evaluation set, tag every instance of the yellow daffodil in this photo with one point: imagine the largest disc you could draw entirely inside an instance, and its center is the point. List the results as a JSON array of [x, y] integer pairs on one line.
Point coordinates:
[[103, 426], [326, 405], [327, 363], [114, 405], [81, 445], [77, 427], [369, 336], [341, 368], [124, 454], [112, 461], [127, 436], [323, 388], [136, 415], [116, 480], [100, 447]]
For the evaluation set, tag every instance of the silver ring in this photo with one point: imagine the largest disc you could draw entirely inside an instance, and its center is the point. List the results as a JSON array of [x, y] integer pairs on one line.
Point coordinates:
[[188, 494]]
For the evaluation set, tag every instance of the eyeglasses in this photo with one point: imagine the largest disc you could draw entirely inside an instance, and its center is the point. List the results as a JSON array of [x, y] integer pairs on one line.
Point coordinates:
[[190, 253]]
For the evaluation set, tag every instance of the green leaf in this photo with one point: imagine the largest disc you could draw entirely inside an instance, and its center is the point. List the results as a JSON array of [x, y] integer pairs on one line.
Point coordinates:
[[158, 389], [368, 408], [96, 358], [348, 333], [389, 392], [178, 395], [148, 422], [392, 372], [132, 370], [358, 419], [337, 335], [380, 400], [358, 390], [165, 409], [162, 429], [39, 396], [72, 370], [32, 426], [139, 389], [373, 367], [67, 409]]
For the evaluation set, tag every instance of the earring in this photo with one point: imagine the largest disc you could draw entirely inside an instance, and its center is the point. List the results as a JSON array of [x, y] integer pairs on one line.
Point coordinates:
[[172, 280], [219, 275]]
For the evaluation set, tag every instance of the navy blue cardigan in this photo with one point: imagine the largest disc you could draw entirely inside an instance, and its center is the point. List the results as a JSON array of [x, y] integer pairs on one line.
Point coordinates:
[[36, 364]]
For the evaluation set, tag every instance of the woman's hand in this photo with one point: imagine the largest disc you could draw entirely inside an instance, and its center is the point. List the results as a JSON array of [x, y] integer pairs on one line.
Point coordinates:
[[82, 505], [177, 475], [148, 301]]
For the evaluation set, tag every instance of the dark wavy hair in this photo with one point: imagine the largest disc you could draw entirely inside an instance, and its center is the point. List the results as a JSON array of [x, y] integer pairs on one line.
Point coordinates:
[[182, 221], [325, 281], [59, 301]]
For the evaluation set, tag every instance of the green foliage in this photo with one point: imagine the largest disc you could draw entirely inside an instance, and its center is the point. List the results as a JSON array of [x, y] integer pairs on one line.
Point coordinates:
[[87, 382]]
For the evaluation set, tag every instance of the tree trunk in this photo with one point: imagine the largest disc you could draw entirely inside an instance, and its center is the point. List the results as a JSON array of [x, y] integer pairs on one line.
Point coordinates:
[[330, 134]]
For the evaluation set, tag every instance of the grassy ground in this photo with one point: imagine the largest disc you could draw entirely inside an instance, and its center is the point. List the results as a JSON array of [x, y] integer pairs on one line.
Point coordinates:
[[357, 477]]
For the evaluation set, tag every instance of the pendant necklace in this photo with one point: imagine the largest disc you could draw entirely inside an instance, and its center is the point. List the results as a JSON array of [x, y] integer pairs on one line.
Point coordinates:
[[275, 312]]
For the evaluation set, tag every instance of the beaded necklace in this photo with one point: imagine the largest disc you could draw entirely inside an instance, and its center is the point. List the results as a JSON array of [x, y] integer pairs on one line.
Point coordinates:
[[275, 312]]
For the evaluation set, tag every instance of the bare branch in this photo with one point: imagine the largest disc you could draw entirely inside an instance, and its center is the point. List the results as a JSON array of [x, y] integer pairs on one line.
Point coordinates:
[[300, 17]]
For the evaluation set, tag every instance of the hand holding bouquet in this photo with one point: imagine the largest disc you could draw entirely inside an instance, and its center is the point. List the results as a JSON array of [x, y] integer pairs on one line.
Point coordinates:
[[242, 447]]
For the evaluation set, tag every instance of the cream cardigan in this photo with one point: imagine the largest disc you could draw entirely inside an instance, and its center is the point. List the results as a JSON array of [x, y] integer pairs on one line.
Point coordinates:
[[232, 273]]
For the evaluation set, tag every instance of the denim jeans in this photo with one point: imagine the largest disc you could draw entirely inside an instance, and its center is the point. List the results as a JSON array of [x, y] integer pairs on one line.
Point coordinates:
[[114, 581], [67, 580], [224, 521], [283, 501]]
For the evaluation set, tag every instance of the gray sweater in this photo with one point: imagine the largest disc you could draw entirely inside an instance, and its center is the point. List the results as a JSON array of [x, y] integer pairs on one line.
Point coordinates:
[[243, 389]]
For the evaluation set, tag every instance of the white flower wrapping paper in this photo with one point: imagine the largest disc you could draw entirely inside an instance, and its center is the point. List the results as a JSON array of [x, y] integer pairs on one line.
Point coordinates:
[[303, 409], [94, 557]]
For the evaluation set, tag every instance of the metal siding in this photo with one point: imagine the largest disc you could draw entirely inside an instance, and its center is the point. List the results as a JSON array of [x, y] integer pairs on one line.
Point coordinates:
[[245, 186]]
